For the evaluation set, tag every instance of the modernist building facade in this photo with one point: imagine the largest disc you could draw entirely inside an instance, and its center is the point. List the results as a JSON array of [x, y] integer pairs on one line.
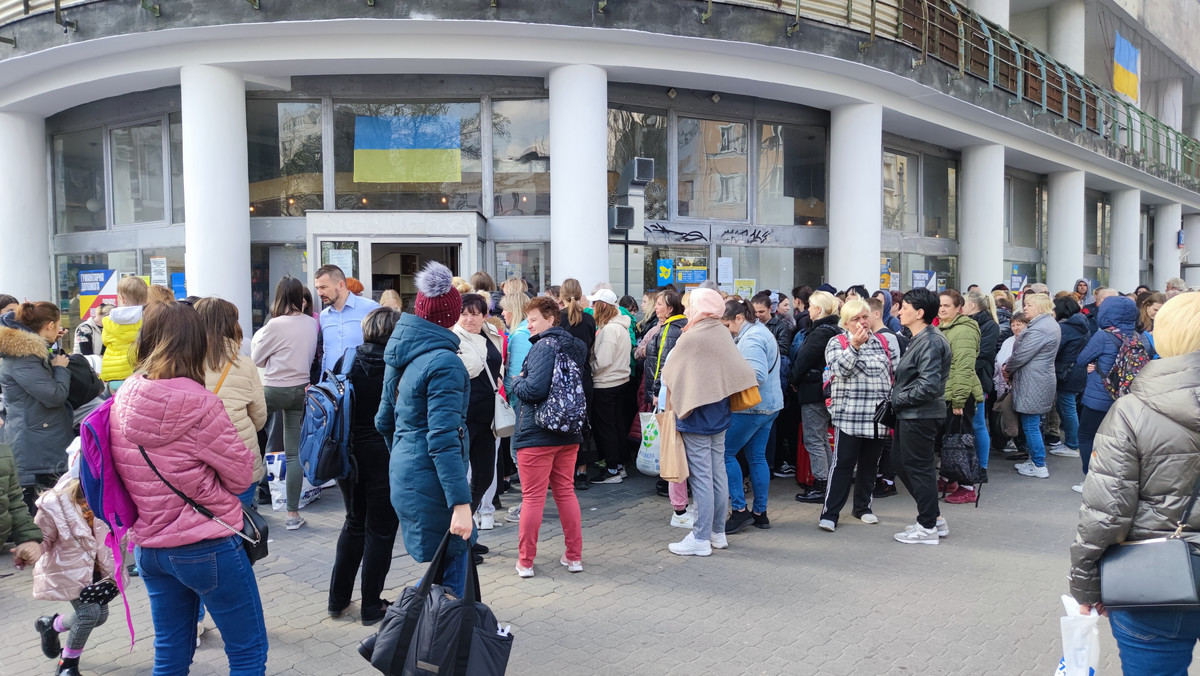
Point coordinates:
[[219, 145]]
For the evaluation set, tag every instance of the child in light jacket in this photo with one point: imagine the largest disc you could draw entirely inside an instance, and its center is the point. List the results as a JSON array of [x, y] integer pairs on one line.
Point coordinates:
[[75, 566]]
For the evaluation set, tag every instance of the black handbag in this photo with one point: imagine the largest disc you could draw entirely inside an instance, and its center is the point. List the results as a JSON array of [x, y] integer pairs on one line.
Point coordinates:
[[960, 462], [1158, 573], [254, 527], [885, 415], [431, 631]]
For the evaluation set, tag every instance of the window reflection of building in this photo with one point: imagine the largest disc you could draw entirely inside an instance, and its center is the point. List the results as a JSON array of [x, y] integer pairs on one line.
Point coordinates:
[[713, 169], [791, 175]]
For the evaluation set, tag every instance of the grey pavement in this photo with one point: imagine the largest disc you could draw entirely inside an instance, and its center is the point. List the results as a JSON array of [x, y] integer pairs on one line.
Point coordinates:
[[789, 600]]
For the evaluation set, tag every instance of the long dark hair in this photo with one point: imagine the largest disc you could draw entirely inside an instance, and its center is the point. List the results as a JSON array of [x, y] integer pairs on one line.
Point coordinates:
[[171, 343], [289, 297]]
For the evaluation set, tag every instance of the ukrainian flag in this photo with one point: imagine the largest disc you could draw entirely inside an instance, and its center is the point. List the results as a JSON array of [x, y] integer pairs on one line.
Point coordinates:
[[407, 149], [1125, 68]]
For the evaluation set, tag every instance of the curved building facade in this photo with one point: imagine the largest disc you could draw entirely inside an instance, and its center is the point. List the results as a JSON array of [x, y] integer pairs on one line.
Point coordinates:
[[215, 146]]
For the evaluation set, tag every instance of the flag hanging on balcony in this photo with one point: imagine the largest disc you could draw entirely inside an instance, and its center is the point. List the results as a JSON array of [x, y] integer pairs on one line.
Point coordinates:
[[1125, 68], [407, 149]]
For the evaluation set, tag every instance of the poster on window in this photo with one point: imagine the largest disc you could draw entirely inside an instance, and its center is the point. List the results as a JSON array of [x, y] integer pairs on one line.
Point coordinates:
[[95, 288], [885, 273], [691, 270], [666, 271], [925, 279], [744, 288]]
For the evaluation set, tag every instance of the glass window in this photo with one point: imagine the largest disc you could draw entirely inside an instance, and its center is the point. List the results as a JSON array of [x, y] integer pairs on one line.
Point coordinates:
[[1097, 276], [942, 270], [791, 175], [268, 264], [285, 157], [168, 262], [682, 266], [899, 191], [395, 156], [940, 199], [176, 136], [79, 181], [1096, 223], [713, 168], [759, 267], [635, 134], [1030, 271], [342, 254], [137, 174], [1023, 213], [70, 302], [521, 157], [525, 261]]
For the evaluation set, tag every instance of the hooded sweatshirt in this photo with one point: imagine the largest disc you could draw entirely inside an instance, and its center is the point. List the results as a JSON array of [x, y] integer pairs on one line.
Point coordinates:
[[121, 327], [1088, 298], [189, 438], [888, 320], [1116, 317], [610, 355]]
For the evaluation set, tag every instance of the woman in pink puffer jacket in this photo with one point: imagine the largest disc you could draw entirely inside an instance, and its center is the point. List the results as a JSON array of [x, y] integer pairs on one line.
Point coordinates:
[[185, 558]]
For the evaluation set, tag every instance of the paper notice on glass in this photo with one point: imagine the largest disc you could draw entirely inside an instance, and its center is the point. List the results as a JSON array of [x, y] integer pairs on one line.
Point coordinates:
[[744, 287], [724, 271], [158, 271], [343, 258]]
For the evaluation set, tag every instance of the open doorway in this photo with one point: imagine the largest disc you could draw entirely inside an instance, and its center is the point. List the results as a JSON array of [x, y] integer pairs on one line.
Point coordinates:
[[395, 266]]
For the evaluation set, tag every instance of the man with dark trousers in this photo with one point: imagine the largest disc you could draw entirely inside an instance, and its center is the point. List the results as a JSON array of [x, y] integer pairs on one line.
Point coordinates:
[[918, 399]]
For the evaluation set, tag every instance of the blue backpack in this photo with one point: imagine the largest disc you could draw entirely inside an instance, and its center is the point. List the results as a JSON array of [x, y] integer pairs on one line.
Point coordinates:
[[565, 408], [325, 434]]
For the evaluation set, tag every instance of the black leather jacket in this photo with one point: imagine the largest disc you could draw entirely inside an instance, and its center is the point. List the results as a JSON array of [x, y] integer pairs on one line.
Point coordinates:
[[919, 392]]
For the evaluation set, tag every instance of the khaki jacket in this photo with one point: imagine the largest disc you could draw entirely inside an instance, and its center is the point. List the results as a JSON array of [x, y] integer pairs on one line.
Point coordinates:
[[242, 395]]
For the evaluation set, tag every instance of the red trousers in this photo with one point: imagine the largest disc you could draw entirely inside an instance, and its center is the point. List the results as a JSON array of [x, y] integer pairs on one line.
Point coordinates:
[[553, 467]]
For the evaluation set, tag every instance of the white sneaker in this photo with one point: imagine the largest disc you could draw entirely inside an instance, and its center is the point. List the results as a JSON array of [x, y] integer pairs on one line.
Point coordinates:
[[1010, 446], [622, 472], [869, 518], [1078, 488], [690, 546], [573, 566], [1034, 471], [526, 572], [1064, 451], [827, 525], [942, 528], [514, 514], [718, 541], [487, 521], [685, 520], [1023, 467], [917, 535]]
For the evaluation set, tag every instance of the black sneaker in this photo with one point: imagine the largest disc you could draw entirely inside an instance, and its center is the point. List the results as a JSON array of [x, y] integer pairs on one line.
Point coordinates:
[[785, 470], [479, 549], [982, 475], [662, 488], [581, 482], [336, 613], [372, 616], [738, 521], [478, 559], [761, 520], [883, 489], [814, 495], [51, 646], [607, 477]]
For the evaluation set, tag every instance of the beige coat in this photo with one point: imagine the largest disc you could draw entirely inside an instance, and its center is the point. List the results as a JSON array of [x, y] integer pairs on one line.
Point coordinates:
[[72, 551], [242, 394]]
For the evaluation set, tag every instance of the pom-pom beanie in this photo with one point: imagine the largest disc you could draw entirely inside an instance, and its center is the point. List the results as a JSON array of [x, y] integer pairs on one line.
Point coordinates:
[[437, 299]]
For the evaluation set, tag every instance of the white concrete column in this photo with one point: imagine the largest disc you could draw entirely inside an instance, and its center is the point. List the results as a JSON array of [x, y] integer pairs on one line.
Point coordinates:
[[1124, 256], [855, 194], [981, 228], [995, 11], [1167, 221], [216, 186], [1064, 230], [1066, 26], [1191, 242], [28, 270], [579, 174]]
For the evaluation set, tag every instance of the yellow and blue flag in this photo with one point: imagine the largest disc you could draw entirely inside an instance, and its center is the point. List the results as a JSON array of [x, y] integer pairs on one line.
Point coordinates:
[[407, 149], [1125, 67]]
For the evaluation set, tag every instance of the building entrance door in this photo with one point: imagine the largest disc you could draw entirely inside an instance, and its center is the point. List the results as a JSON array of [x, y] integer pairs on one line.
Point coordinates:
[[394, 265]]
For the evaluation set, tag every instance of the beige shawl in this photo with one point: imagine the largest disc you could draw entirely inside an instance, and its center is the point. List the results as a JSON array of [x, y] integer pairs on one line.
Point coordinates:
[[705, 367]]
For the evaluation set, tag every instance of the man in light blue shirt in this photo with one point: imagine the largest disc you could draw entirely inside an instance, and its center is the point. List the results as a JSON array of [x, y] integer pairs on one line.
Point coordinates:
[[341, 320]]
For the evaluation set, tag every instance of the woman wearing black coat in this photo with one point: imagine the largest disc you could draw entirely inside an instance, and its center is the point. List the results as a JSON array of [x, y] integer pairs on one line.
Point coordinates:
[[369, 530], [807, 372], [1075, 333]]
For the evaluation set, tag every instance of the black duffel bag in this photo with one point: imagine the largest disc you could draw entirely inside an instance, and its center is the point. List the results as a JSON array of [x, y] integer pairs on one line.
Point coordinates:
[[431, 631]]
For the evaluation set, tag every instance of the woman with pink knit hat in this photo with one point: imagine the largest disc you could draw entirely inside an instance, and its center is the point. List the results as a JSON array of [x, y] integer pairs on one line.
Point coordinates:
[[705, 368], [423, 419]]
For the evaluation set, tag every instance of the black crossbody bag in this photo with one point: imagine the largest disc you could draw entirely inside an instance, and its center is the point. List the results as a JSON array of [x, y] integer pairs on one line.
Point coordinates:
[[254, 527], [1157, 573]]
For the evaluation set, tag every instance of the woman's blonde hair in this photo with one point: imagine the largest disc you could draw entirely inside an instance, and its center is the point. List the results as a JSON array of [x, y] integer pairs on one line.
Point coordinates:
[[514, 285], [1041, 302], [823, 300], [851, 309], [603, 313], [570, 295], [390, 298], [461, 285], [983, 301], [514, 303], [1177, 325]]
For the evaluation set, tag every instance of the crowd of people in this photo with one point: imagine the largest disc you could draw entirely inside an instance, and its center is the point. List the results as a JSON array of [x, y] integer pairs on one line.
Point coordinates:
[[852, 392]]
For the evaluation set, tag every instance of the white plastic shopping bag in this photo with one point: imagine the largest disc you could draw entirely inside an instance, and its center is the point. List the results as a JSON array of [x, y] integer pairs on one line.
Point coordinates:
[[648, 453], [1081, 641], [276, 464]]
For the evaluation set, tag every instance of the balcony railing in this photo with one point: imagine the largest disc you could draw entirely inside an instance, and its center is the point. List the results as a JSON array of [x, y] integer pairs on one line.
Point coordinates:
[[940, 30]]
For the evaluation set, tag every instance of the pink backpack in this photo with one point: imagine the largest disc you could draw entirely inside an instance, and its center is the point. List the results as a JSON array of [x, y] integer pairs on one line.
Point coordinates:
[[104, 491]]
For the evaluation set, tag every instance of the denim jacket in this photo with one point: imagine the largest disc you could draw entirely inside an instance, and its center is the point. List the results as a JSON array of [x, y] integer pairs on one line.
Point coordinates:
[[760, 349]]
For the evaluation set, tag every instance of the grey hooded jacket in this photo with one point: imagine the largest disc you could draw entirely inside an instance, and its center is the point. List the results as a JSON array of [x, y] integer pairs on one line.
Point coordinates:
[[1144, 464], [1032, 366]]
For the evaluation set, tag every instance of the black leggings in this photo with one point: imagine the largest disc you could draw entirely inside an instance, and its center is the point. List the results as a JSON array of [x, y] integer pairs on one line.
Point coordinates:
[[483, 460], [851, 452]]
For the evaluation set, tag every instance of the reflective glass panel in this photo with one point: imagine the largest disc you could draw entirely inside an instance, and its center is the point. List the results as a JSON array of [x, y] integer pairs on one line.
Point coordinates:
[[900, 191], [713, 169], [521, 157], [524, 261], [137, 174], [639, 134], [79, 181], [285, 157], [1023, 216], [940, 203], [791, 175], [67, 280]]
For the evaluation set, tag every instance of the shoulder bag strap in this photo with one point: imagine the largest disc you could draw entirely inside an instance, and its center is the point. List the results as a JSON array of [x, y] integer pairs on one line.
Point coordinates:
[[1187, 511], [199, 508], [662, 344], [218, 389]]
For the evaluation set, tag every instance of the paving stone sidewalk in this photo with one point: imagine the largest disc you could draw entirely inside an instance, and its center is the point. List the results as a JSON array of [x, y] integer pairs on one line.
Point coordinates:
[[789, 600]]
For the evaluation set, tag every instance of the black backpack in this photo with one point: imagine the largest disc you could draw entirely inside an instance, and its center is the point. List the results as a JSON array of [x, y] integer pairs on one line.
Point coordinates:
[[85, 384]]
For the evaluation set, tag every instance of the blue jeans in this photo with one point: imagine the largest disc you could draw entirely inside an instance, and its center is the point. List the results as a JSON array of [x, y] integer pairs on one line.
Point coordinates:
[[1031, 425], [455, 575], [217, 574], [983, 442], [749, 431], [1068, 412], [1158, 642]]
